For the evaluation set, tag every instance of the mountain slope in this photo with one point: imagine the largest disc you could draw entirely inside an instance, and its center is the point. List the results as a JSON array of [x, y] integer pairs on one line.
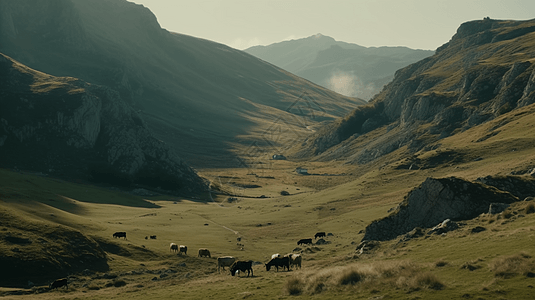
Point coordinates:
[[347, 68], [484, 71], [69, 128], [196, 95]]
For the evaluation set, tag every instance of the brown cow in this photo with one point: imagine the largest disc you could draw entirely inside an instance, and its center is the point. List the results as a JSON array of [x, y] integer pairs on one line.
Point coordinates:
[[204, 252]]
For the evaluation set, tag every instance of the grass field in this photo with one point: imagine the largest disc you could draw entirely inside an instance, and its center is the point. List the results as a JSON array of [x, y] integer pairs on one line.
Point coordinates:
[[338, 198]]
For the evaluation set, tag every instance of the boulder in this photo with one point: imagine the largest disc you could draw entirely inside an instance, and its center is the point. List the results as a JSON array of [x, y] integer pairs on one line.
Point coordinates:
[[434, 201], [445, 226]]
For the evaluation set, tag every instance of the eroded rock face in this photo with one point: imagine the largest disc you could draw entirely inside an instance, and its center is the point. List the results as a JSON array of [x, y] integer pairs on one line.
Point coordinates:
[[434, 201], [66, 127]]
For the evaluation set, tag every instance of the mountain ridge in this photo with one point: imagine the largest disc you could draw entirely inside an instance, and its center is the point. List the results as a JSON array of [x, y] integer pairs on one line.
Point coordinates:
[[347, 68], [171, 79], [475, 77]]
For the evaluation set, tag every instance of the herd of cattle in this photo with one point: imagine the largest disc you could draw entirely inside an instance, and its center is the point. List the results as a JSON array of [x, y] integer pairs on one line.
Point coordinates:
[[277, 261]]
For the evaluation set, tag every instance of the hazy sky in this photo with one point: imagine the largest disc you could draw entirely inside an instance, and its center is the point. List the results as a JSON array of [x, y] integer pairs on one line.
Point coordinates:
[[418, 24]]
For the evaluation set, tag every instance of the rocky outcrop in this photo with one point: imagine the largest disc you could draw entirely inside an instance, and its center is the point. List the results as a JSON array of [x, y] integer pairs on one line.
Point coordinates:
[[520, 186], [66, 127], [483, 72], [434, 201]]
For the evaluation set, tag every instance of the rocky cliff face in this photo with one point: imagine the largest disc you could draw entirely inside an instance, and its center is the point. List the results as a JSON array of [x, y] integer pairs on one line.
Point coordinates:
[[484, 71], [67, 127], [434, 201]]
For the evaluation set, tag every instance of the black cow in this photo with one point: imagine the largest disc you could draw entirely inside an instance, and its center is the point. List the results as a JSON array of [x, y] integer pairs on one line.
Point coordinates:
[[279, 262], [319, 234], [304, 241], [120, 234], [243, 266], [152, 237], [59, 283]]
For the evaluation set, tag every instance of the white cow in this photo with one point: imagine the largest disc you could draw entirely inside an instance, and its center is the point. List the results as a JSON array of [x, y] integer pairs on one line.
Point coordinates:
[[225, 261]]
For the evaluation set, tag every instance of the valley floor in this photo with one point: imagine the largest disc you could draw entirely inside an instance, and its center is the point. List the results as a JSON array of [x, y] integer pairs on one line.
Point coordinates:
[[246, 216]]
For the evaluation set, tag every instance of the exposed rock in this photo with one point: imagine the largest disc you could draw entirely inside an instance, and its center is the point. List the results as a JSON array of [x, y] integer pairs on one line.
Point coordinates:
[[455, 89], [82, 131], [434, 201], [478, 229], [446, 226], [322, 242], [496, 208], [366, 246], [519, 186]]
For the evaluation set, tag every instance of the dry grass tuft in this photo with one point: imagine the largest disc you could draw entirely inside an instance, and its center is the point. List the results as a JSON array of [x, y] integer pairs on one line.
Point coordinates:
[[440, 263], [401, 274], [510, 266], [293, 286]]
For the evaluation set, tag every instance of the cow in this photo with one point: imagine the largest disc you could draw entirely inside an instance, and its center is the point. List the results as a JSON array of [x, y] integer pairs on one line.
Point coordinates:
[[173, 247], [279, 262], [183, 249], [295, 259], [275, 255], [319, 234], [243, 266], [152, 237], [204, 252], [225, 261], [59, 283], [304, 241], [120, 234]]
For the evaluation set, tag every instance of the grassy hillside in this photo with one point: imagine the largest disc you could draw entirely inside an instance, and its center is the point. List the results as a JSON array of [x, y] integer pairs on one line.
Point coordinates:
[[195, 95], [483, 72], [338, 198]]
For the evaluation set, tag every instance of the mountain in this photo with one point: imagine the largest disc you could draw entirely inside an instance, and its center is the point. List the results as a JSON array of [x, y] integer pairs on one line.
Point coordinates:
[[349, 69], [204, 99], [69, 128], [485, 71]]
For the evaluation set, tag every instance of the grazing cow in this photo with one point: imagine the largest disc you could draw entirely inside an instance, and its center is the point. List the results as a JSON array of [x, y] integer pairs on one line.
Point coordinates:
[[295, 259], [204, 252], [152, 237], [119, 234], [173, 247], [275, 255], [183, 249], [243, 266], [59, 283], [319, 234], [304, 241], [279, 262], [225, 261]]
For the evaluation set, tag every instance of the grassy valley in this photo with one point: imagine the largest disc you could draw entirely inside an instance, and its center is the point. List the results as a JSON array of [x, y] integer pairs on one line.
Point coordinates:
[[492, 263], [109, 85]]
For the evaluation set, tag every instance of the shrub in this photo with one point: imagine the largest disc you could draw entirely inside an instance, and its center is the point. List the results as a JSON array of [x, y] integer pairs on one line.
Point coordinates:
[[440, 263], [429, 280], [293, 286], [510, 266], [351, 276]]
